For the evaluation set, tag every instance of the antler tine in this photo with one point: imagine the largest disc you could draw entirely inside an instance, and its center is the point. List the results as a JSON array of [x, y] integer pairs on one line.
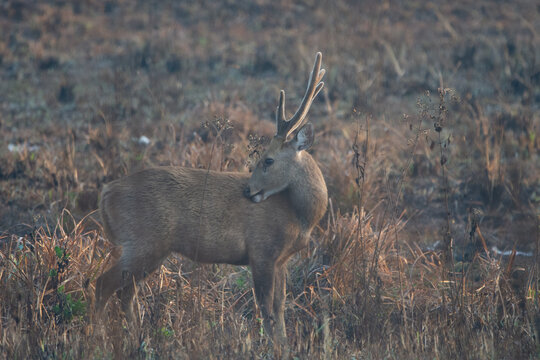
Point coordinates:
[[281, 122], [315, 85]]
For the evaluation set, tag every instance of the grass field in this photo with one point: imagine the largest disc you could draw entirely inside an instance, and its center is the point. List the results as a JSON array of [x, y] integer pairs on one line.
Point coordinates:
[[427, 133]]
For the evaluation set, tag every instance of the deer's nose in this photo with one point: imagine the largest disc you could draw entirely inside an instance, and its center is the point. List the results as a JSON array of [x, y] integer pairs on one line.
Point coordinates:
[[247, 191]]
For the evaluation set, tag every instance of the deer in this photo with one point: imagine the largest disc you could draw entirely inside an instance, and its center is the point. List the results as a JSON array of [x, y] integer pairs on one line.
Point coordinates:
[[260, 219]]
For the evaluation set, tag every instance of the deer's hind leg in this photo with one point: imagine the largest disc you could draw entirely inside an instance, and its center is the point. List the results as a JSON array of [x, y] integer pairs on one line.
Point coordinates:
[[106, 284], [132, 267]]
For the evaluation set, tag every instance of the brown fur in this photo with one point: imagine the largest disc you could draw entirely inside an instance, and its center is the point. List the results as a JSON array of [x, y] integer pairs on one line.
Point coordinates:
[[212, 217]]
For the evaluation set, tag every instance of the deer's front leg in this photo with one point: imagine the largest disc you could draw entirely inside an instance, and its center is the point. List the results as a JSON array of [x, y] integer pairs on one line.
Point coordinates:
[[263, 282], [280, 293]]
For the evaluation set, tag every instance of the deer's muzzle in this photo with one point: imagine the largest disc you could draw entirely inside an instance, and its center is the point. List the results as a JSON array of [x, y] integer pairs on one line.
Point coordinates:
[[255, 197]]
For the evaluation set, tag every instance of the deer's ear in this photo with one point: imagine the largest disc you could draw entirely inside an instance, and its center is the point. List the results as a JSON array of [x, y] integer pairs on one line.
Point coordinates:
[[303, 138]]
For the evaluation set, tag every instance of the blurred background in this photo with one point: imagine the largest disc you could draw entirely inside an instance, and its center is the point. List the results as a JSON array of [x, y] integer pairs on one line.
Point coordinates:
[[427, 132]]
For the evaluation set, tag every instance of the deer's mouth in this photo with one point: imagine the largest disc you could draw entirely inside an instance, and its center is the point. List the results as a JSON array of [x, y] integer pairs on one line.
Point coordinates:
[[256, 197]]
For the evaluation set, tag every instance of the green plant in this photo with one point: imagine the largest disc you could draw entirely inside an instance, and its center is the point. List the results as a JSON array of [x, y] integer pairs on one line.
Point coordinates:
[[64, 307]]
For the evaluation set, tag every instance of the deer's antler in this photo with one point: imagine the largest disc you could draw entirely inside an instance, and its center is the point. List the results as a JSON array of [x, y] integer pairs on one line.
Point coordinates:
[[286, 127]]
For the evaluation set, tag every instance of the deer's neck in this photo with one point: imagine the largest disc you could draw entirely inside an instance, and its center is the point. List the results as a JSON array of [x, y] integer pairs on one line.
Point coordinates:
[[308, 193]]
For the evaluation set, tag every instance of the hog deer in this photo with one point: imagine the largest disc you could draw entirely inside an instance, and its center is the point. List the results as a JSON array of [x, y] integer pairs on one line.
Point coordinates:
[[221, 217]]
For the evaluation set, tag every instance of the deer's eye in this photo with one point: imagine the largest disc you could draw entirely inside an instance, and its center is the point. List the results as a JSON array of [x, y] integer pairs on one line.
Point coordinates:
[[268, 161]]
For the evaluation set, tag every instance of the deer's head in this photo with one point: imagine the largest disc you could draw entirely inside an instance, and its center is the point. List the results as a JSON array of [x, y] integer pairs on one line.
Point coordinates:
[[278, 164]]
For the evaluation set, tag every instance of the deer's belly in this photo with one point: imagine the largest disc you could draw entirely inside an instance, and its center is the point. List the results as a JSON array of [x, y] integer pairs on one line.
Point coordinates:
[[214, 247]]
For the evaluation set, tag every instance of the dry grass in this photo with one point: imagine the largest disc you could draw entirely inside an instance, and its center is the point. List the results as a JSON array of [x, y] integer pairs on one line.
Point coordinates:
[[427, 135]]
